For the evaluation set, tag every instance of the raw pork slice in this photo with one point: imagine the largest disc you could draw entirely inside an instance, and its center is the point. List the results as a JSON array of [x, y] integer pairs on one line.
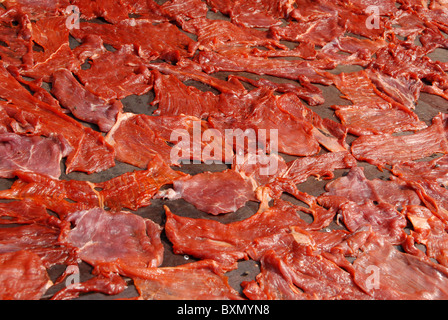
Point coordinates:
[[108, 239], [392, 149], [83, 104], [216, 192], [36, 154], [22, 276], [202, 280]]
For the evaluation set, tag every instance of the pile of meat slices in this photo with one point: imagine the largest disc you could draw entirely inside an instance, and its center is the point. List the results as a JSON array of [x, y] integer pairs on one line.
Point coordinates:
[[265, 65]]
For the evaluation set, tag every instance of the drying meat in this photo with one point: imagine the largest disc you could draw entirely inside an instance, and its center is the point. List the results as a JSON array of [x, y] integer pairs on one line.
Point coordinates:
[[215, 192], [109, 239], [319, 166], [23, 276], [116, 75], [35, 154], [134, 190], [203, 280], [397, 275], [435, 170], [29, 115], [355, 187], [174, 98], [166, 42], [227, 243], [391, 149], [82, 103]]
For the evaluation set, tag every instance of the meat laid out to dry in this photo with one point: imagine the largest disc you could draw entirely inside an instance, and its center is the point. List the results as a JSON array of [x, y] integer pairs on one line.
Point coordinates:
[[152, 149]]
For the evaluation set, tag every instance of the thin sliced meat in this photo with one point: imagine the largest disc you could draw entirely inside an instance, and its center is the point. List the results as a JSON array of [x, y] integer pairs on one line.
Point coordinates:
[[22, 212], [167, 41], [202, 280], [386, 273], [215, 192], [186, 69], [302, 275], [36, 154], [116, 75], [434, 170], [41, 238], [83, 104], [327, 132], [134, 190], [38, 9], [60, 196], [173, 98], [23, 276], [234, 61], [228, 243], [377, 119], [383, 219], [29, 115], [108, 239], [15, 32], [355, 187], [319, 166], [428, 230], [393, 149], [181, 10], [221, 34]]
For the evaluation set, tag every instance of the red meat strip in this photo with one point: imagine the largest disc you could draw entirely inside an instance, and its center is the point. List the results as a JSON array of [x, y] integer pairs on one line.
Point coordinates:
[[355, 187], [15, 36], [22, 212], [116, 75], [221, 34], [350, 50], [318, 32], [253, 13], [377, 119], [392, 149], [434, 170], [259, 113], [40, 238], [402, 90], [23, 276], [175, 98], [372, 112], [131, 190], [311, 94], [186, 69], [90, 153], [382, 218], [227, 243], [38, 9], [202, 280], [138, 138], [134, 190], [136, 142], [215, 192], [387, 273], [233, 61], [327, 132], [83, 104], [60, 196], [181, 10], [302, 275], [319, 166], [108, 239], [167, 41], [110, 284], [429, 231], [36, 154]]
